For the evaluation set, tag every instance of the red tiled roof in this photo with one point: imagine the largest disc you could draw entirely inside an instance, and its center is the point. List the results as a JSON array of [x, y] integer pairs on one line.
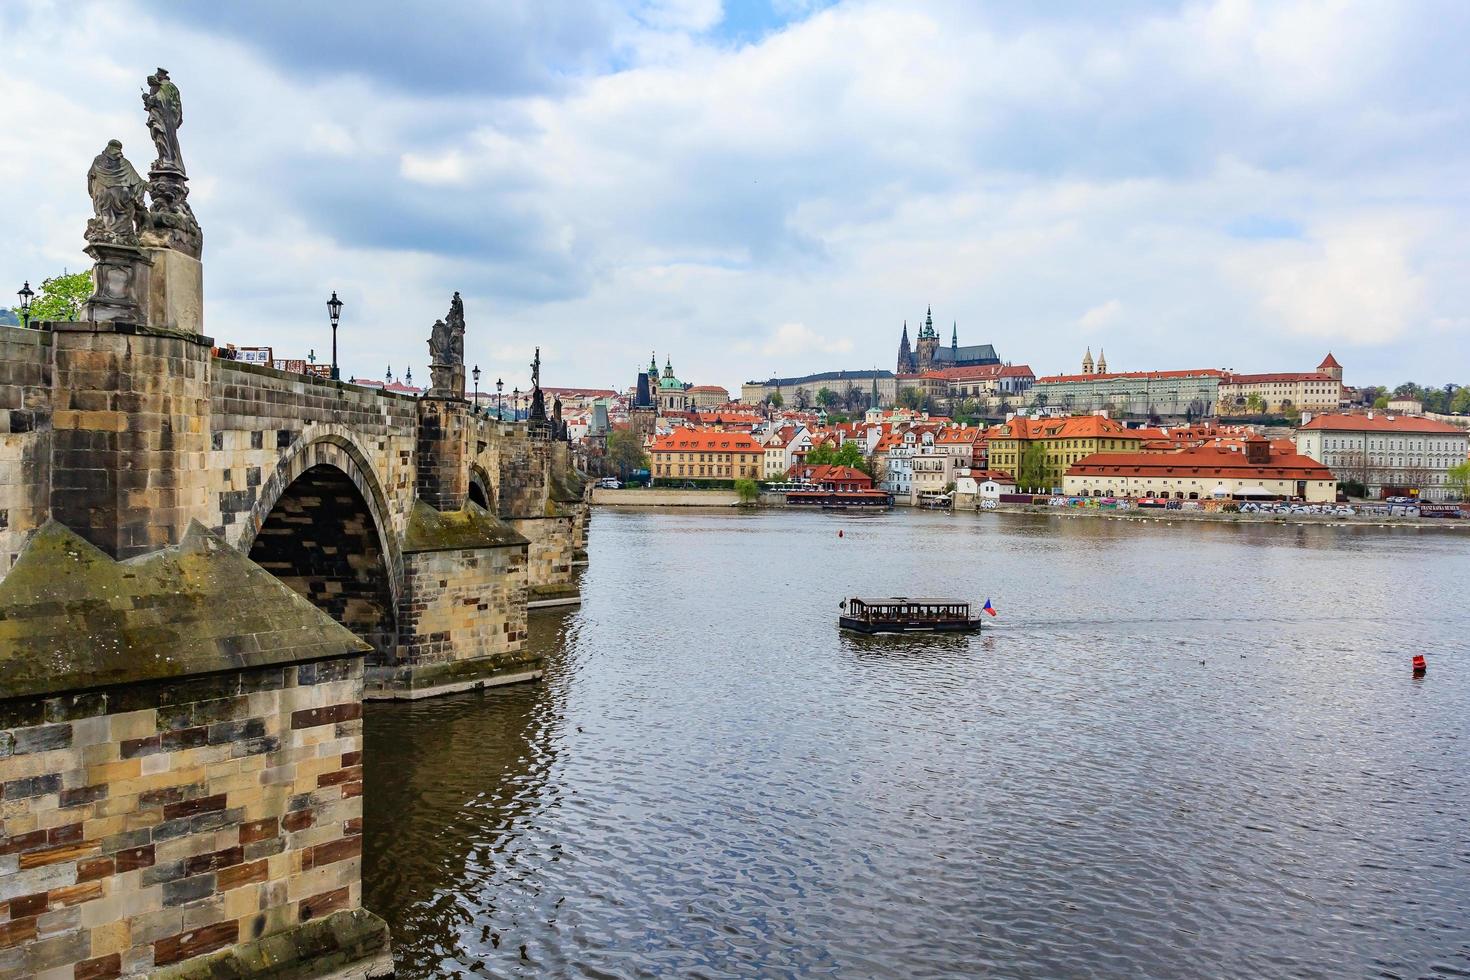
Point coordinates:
[[1209, 462], [706, 441], [725, 391], [980, 372], [1258, 379], [1152, 375], [1379, 422], [1328, 362]]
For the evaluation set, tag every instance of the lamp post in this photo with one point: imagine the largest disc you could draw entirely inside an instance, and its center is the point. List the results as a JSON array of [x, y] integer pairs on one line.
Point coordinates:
[[26, 295], [515, 404], [334, 310], [476, 375], [499, 387]]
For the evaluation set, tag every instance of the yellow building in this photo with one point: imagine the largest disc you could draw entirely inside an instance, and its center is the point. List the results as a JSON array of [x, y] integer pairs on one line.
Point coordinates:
[[1062, 443], [706, 454]]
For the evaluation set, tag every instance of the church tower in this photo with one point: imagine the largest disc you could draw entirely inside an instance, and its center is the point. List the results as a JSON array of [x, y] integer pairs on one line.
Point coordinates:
[[1087, 362], [905, 353], [1102, 362], [928, 343], [954, 339]]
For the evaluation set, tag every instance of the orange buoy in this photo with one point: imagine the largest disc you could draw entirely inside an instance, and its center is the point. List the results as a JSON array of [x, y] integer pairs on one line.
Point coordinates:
[[1420, 666], [839, 532]]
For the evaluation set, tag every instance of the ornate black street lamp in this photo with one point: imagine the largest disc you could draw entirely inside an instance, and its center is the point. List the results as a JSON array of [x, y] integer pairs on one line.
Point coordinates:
[[499, 387], [515, 404], [334, 310], [26, 295], [476, 375]]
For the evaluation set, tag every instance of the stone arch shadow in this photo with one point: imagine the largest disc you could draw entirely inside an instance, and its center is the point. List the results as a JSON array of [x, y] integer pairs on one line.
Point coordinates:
[[322, 525], [481, 489]]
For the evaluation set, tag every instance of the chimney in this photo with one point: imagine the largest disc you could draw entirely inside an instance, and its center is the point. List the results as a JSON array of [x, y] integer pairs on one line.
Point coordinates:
[[1306, 417], [1257, 451]]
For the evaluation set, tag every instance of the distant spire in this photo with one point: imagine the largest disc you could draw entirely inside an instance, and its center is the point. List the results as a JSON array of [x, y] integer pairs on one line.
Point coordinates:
[[954, 336], [389, 375]]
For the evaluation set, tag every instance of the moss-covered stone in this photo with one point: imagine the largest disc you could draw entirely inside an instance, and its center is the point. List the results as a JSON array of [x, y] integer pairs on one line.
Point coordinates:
[[71, 618], [468, 529], [352, 942]]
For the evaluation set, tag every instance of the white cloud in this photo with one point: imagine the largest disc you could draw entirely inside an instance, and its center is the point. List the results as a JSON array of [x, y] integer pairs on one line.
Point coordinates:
[[795, 339], [1100, 316], [1352, 280]]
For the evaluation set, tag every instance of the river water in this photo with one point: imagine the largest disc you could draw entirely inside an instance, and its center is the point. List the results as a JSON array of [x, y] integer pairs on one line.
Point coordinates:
[[1180, 751]]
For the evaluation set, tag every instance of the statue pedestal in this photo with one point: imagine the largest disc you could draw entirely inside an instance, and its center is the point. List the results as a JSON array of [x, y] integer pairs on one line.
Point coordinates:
[[175, 290], [120, 284]]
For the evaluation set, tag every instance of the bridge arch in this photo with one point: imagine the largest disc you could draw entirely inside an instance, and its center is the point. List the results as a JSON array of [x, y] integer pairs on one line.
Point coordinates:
[[482, 490], [322, 525]]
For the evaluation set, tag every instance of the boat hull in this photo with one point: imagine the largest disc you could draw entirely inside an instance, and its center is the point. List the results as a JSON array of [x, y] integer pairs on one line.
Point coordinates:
[[896, 626]]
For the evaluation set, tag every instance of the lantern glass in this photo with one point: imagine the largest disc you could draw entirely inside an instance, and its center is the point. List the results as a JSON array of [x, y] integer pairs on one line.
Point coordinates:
[[334, 308]]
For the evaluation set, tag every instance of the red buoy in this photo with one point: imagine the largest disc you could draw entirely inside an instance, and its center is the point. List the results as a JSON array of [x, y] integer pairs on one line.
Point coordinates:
[[839, 532], [1420, 666]]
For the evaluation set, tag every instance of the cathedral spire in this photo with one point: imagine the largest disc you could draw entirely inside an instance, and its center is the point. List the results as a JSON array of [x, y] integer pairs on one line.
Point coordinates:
[[954, 336]]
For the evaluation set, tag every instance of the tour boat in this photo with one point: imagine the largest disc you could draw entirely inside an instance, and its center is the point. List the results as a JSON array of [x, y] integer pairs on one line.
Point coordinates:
[[904, 615]]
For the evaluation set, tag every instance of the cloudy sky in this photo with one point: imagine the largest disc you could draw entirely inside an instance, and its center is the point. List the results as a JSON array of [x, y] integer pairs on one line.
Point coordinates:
[[770, 186]]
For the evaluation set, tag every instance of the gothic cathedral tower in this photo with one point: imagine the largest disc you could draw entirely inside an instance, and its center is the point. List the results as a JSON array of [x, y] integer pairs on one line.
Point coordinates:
[[928, 343], [906, 363]]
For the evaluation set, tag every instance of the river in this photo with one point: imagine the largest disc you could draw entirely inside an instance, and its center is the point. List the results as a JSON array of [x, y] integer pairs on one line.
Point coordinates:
[[1178, 751]]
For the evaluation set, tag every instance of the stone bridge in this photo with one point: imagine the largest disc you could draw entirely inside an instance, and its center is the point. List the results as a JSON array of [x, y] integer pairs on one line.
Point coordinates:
[[424, 527]]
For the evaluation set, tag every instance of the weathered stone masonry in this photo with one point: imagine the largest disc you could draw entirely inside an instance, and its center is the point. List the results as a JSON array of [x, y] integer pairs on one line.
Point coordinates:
[[318, 480], [180, 770]]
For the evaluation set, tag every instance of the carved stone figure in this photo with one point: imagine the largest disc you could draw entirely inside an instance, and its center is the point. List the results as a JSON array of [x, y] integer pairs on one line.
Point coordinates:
[[537, 415], [165, 116], [171, 221], [446, 353], [117, 198]]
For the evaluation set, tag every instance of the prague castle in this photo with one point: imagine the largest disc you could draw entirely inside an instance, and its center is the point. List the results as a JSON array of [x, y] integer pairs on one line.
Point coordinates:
[[928, 355]]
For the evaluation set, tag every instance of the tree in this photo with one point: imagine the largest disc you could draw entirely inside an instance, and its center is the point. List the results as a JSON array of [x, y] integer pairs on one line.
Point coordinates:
[[747, 491], [911, 398], [822, 455], [1381, 401], [61, 297], [803, 399], [826, 397], [1459, 479], [625, 451], [1041, 399], [1255, 404], [1033, 474], [850, 454], [775, 399], [1460, 404]]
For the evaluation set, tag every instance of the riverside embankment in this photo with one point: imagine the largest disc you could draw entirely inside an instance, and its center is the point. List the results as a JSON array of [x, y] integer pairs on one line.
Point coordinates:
[[1168, 517]]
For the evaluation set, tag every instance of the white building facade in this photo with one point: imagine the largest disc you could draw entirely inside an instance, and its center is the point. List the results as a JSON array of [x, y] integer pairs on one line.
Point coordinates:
[[1388, 454]]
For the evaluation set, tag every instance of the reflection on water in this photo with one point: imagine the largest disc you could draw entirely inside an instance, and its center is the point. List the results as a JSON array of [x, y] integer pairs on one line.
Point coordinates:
[[1180, 751]]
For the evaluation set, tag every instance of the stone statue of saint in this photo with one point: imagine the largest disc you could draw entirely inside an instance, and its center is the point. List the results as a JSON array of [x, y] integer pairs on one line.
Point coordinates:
[[117, 198], [441, 345], [536, 371], [165, 116], [456, 329]]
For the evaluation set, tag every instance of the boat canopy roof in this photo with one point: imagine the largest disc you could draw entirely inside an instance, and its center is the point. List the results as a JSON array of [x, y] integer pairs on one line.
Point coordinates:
[[906, 601]]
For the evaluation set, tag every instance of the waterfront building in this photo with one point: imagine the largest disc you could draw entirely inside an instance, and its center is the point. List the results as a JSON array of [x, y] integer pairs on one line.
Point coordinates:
[[933, 468], [1384, 453], [975, 485], [1203, 473], [1314, 391], [930, 355], [1192, 393], [706, 454], [1063, 442], [837, 479]]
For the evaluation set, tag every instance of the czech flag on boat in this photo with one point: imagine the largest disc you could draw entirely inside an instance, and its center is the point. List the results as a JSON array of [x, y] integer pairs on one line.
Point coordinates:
[[989, 608]]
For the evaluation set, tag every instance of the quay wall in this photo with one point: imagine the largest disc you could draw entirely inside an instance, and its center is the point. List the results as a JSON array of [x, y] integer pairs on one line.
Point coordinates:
[[665, 498]]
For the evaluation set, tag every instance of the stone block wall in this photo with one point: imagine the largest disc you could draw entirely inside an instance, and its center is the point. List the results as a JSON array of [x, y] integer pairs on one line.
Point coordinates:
[[549, 560], [443, 452], [149, 824], [129, 434], [463, 624], [260, 421], [25, 437]]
